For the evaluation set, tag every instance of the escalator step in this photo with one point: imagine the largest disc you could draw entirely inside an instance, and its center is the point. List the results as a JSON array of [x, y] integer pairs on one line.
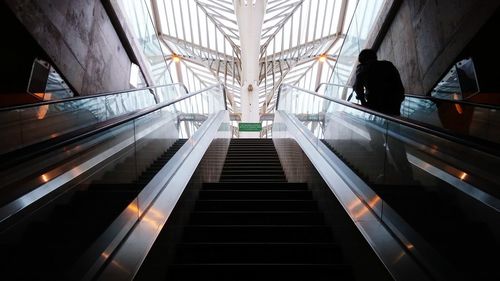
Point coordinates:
[[253, 186], [257, 233], [117, 187], [252, 167], [317, 272], [262, 171], [282, 194], [250, 177], [229, 253], [256, 218], [256, 205]]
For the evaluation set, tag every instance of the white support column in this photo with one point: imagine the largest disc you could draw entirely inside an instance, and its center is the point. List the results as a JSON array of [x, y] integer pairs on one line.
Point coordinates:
[[250, 15]]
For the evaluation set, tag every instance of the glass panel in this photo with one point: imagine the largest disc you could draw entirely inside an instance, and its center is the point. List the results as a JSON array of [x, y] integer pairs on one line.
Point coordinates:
[[21, 175], [421, 187], [33, 124], [179, 120], [361, 24], [467, 119], [337, 91], [443, 190], [46, 83], [139, 20], [478, 121], [459, 83]]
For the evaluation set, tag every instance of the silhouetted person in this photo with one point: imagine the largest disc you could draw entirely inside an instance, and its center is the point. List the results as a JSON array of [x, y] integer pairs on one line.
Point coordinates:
[[378, 85]]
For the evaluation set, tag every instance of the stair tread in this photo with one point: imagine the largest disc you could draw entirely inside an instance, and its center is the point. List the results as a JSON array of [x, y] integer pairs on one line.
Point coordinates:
[[254, 210], [258, 243]]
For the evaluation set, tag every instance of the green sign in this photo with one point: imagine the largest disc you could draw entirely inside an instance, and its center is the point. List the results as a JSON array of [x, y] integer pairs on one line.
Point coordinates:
[[250, 127]]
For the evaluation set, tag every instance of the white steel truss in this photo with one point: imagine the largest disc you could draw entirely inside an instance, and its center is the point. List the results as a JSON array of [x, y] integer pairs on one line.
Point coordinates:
[[299, 39]]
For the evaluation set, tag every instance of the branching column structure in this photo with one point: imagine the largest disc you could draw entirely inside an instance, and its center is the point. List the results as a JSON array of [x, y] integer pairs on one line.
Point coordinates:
[[250, 15]]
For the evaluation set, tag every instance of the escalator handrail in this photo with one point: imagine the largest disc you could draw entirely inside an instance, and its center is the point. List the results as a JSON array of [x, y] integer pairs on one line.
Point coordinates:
[[433, 99], [8, 210], [468, 141], [48, 145], [142, 112], [24, 106], [330, 84], [461, 102]]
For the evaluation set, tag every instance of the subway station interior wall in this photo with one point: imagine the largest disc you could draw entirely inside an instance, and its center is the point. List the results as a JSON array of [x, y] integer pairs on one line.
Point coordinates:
[[80, 40]]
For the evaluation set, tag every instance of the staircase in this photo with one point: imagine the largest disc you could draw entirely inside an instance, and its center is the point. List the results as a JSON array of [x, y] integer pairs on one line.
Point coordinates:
[[254, 225], [52, 245]]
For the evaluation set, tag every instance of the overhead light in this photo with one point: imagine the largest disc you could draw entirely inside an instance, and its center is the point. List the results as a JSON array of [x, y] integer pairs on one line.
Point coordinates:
[[322, 58], [176, 59]]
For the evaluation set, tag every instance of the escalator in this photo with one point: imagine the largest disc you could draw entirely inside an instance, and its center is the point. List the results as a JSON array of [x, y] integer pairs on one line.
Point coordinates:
[[68, 199], [443, 222], [439, 190], [42, 133], [437, 213], [252, 224], [75, 220]]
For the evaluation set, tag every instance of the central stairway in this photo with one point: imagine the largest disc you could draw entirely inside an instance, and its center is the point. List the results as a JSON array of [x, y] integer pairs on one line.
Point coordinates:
[[254, 225]]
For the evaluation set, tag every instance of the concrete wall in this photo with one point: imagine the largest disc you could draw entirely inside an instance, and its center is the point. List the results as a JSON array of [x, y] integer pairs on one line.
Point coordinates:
[[426, 36], [17, 55], [79, 39]]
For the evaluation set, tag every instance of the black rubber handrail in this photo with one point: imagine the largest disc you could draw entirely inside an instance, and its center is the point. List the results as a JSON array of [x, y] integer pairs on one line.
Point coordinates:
[[24, 106], [434, 99], [20, 155], [461, 102], [466, 140]]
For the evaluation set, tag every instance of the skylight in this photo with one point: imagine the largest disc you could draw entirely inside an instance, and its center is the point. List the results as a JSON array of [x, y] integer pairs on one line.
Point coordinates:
[[300, 43]]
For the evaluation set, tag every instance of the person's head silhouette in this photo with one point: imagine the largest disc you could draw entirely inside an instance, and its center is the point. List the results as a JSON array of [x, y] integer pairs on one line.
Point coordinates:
[[367, 55], [378, 84]]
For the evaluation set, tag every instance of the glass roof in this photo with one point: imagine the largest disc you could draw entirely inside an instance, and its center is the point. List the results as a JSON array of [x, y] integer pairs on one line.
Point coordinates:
[[197, 42]]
